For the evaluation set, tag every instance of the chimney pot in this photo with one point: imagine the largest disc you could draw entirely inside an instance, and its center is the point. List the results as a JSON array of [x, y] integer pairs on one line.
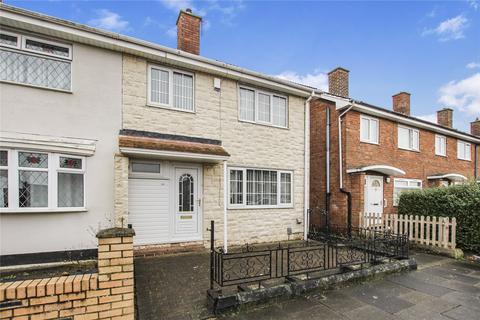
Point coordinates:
[[188, 31], [401, 103], [475, 127], [445, 117], [338, 82]]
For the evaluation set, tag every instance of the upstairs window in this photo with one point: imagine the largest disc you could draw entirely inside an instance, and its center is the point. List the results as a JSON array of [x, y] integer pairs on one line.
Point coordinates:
[[263, 107], [408, 138], [35, 62], [369, 129], [464, 150], [171, 89], [440, 145]]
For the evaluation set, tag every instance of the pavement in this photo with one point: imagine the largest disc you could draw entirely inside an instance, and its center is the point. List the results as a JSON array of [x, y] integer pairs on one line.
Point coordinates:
[[174, 287]]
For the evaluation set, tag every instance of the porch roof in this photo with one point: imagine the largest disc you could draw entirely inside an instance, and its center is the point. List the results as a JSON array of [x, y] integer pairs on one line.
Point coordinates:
[[448, 176], [173, 147], [387, 170]]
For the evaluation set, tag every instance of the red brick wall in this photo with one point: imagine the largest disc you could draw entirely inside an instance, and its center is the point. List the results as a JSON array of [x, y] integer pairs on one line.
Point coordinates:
[[417, 165], [188, 33]]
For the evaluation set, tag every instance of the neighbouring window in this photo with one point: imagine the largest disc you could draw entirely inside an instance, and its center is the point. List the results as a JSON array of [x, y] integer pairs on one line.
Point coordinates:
[[171, 89], [35, 62], [440, 145], [3, 178], [41, 180], [259, 188], [408, 138], [263, 107], [369, 129], [402, 185], [464, 150]]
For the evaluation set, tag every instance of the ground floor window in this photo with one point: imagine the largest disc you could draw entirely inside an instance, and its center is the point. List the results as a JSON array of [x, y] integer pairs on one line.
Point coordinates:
[[31, 180], [259, 188], [402, 185]]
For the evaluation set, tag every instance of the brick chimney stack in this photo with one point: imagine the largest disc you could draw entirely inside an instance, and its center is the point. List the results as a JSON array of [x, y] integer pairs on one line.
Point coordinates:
[[445, 117], [188, 31], [475, 127], [338, 82], [401, 103]]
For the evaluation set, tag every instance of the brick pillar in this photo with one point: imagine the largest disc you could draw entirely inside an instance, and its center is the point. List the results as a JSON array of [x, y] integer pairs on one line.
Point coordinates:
[[401, 103], [445, 117], [338, 82], [475, 127], [188, 31], [115, 271]]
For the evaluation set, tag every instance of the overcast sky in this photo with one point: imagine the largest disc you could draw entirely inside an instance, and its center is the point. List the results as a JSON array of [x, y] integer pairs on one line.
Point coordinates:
[[430, 49]]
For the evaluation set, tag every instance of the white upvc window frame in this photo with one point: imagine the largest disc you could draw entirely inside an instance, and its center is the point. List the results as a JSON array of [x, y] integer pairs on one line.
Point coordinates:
[[169, 105], [468, 155], [244, 189], [53, 169], [410, 138], [13, 34], [371, 140], [437, 151], [408, 187], [54, 43], [256, 93]]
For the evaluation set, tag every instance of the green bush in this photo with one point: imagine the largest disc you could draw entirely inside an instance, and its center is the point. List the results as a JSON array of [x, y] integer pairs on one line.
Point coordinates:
[[461, 202]]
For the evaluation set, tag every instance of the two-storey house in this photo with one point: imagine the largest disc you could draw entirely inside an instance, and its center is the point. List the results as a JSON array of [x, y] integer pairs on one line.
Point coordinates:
[[99, 129], [364, 156]]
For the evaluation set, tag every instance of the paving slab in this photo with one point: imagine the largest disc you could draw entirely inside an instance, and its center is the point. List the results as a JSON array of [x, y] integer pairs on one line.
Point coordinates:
[[369, 312], [336, 300], [449, 273], [462, 313], [428, 309], [462, 298], [419, 285]]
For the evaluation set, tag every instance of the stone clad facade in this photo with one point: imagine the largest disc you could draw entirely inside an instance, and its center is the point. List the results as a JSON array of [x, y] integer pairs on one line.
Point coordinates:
[[249, 145]]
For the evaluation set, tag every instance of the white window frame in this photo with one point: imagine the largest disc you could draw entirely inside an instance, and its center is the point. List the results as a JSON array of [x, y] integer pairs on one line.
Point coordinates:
[[170, 105], [376, 139], [408, 187], [468, 155], [256, 92], [244, 189], [444, 138], [53, 169], [54, 43], [410, 138], [13, 34]]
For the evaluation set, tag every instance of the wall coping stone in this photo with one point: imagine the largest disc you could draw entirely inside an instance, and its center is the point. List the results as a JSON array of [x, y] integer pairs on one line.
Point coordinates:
[[115, 233]]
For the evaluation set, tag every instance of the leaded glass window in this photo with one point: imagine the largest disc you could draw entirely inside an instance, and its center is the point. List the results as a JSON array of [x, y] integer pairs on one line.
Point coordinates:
[[185, 193]]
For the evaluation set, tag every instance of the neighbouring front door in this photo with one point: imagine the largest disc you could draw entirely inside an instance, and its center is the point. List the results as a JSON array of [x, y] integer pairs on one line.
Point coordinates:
[[187, 203], [374, 195]]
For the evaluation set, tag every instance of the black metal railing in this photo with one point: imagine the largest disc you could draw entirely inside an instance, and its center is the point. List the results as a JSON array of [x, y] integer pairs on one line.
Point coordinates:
[[330, 249]]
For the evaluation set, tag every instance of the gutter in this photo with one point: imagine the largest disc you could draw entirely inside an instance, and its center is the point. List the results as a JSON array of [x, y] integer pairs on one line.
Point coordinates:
[[306, 191]]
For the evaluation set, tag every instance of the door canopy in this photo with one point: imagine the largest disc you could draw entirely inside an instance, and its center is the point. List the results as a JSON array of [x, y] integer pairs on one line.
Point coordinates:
[[448, 176], [380, 168]]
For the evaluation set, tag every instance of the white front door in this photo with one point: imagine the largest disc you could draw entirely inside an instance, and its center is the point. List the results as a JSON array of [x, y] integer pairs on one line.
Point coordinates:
[[374, 195], [187, 204]]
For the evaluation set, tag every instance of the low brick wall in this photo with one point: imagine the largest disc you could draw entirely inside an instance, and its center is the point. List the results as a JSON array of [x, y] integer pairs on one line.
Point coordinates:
[[108, 294]]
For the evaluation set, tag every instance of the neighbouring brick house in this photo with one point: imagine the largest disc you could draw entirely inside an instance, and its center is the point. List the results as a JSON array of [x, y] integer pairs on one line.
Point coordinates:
[[382, 153], [106, 130]]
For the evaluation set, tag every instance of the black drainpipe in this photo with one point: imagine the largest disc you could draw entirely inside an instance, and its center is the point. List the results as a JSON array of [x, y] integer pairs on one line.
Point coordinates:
[[327, 171]]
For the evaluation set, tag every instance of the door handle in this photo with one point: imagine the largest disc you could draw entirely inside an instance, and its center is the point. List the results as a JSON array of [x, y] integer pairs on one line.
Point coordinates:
[[199, 202]]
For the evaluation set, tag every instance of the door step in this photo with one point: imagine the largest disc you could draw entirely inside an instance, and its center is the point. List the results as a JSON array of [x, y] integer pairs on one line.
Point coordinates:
[[168, 248]]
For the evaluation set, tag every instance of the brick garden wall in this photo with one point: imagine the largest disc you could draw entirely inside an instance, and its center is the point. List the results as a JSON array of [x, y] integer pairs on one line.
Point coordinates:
[[108, 294]]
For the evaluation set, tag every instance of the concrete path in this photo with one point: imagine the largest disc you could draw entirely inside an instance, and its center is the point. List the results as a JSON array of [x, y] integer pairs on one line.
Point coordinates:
[[173, 287]]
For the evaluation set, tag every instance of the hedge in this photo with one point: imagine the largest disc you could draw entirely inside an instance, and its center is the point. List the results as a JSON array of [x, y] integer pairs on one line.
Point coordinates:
[[461, 202]]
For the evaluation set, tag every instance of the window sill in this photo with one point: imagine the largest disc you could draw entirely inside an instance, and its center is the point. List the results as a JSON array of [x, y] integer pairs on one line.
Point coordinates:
[[36, 87], [368, 142], [42, 210], [441, 155], [159, 106], [468, 160], [264, 124], [411, 150]]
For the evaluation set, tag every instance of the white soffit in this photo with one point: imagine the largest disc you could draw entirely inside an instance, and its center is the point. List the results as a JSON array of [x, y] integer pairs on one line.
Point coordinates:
[[387, 170], [173, 155], [28, 141]]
